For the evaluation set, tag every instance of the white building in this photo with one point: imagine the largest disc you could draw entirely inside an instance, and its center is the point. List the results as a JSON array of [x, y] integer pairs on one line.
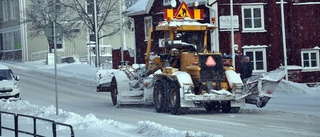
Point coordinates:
[[18, 45]]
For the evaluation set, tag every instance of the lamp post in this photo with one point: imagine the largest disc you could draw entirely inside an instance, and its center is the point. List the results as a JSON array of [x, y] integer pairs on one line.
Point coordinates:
[[284, 40], [121, 29], [232, 34]]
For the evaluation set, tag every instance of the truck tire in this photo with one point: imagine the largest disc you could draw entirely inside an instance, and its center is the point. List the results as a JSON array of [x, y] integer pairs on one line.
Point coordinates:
[[174, 100], [226, 106], [212, 106], [114, 91], [159, 96]]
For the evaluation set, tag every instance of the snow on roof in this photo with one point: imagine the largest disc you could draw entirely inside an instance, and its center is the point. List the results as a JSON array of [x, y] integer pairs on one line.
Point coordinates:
[[2, 66], [254, 46], [191, 1], [141, 7], [294, 67]]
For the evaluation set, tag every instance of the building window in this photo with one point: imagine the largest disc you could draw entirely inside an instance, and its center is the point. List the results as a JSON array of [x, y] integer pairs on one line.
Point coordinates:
[[147, 26], [129, 3], [4, 10], [90, 7], [257, 58], [166, 2], [13, 9], [253, 18], [17, 40], [310, 59], [7, 41]]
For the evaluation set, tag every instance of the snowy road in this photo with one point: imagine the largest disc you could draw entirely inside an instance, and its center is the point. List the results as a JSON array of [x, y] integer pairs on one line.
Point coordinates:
[[277, 119]]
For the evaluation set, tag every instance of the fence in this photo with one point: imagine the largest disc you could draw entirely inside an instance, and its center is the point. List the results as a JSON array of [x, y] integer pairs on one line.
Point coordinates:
[[35, 119]]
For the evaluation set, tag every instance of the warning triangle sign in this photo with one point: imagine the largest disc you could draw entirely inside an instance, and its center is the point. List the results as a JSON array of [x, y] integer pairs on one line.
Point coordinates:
[[210, 62], [183, 11]]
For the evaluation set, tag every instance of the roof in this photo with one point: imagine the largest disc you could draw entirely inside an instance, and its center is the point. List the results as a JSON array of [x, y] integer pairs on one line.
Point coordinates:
[[140, 7]]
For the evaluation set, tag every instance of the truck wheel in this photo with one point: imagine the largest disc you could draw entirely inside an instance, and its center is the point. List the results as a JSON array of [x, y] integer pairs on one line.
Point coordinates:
[[212, 106], [226, 107], [174, 96], [114, 91], [208, 106], [159, 98]]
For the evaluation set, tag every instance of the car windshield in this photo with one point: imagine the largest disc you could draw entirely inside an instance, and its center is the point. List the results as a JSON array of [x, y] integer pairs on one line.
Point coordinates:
[[6, 74]]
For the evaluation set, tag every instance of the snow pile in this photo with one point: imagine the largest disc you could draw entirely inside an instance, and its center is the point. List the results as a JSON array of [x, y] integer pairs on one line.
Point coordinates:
[[149, 129], [88, 125], [289, 87]]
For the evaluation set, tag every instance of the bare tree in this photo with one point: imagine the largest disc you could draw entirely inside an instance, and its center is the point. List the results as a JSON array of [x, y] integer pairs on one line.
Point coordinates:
[[72, 15], [107, 11], [41, 12]]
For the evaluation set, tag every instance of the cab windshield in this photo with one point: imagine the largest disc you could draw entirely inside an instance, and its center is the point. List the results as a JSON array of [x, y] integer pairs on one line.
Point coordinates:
[[190, 37]]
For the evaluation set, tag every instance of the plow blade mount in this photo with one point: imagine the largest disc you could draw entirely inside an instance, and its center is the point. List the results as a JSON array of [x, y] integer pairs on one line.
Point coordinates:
[[259, 89]]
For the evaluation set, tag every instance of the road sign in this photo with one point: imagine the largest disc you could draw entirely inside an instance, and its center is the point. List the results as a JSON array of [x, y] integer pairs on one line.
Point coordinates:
[[48, 30], [183, 11]]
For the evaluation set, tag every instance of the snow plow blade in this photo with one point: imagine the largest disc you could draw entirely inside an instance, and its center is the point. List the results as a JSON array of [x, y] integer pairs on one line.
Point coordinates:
[[259, 89]]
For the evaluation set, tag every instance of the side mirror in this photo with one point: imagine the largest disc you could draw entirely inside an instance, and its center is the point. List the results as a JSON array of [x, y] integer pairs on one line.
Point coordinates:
[[17, 78]]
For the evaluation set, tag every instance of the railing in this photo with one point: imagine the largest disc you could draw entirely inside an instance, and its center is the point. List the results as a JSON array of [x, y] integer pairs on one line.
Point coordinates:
[[40, 55], [35, 119]]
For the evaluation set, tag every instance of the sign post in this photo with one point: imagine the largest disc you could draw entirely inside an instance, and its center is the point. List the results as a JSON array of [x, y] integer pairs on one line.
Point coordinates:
[[53, 31]]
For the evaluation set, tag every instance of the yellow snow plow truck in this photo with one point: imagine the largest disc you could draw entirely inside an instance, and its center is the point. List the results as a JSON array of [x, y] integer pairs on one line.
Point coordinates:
[[185, 75]]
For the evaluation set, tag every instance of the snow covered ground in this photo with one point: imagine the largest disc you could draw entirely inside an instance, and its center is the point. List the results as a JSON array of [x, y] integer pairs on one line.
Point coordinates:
[[83, 126], [89, 125]]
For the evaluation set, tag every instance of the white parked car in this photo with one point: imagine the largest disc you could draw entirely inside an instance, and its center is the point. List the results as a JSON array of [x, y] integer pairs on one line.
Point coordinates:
[[9, 84]]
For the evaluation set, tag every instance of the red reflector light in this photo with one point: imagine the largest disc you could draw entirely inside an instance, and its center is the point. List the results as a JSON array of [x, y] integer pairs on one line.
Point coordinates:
[[269, 92], [210, 62]]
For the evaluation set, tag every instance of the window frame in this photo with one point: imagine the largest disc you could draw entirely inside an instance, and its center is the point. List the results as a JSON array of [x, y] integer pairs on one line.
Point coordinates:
[[166, 2], [317, 59], [146, 28], [253, 28], [8, 41], [12, 9], [5, 10], [254, 58]]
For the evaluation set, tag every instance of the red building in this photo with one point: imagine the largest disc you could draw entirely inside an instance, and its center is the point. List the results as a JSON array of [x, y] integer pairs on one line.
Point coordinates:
[[257, 32]]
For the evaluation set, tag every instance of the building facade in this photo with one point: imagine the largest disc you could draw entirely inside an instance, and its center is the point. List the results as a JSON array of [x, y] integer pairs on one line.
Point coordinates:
[[18, 45], [257, 26]]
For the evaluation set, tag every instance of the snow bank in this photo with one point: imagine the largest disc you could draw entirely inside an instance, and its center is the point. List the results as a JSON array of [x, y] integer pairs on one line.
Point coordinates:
[[89, 125], [289, 87]]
